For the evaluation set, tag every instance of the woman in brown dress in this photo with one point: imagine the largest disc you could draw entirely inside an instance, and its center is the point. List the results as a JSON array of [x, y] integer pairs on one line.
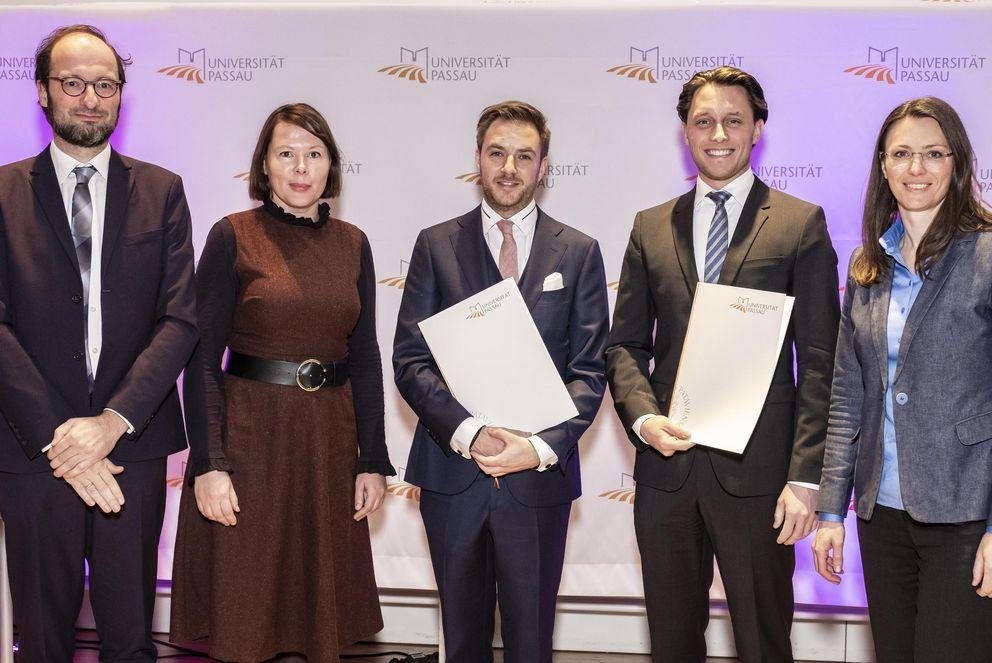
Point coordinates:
[[287, 442]]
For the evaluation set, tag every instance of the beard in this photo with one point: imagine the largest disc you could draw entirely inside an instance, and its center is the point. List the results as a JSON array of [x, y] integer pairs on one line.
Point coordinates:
[[78, 134], [507, 203]]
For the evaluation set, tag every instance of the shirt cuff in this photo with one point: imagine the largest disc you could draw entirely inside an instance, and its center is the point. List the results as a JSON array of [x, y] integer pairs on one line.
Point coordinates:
[[830, 518], [811, 486], [636, 427], [462, 438], [988, 530], [545, 454], [130, 428]]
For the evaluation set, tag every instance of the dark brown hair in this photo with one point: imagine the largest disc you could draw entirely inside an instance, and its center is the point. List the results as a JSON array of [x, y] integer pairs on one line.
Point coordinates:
[[514, 111], [726, 76], [961, 210], [305, 117], [43, 56]]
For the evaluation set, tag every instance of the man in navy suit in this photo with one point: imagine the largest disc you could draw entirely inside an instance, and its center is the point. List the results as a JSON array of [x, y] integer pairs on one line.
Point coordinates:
[[495, 502], [96, 322]]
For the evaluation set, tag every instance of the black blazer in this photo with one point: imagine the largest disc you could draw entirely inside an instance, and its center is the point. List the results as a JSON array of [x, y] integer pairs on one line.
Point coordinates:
[[780, 244], [149, 324], [451, 262]]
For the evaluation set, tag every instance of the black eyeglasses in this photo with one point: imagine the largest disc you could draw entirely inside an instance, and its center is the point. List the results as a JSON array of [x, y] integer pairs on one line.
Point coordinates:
[[75, 86]]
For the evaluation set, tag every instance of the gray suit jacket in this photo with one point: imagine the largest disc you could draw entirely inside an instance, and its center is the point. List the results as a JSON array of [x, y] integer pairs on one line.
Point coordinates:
[[944, 422]]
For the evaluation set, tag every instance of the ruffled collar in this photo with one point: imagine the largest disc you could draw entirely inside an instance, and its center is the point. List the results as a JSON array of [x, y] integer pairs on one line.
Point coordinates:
[[281, 215]]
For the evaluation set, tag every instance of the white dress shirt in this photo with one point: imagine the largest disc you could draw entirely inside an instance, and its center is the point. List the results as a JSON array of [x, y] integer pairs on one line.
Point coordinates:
[[703, 210], [524, 223], [64, 165]]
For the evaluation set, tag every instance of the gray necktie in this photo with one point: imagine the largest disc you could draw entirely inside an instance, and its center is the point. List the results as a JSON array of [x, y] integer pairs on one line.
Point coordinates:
[[717, 238], [82, 229]]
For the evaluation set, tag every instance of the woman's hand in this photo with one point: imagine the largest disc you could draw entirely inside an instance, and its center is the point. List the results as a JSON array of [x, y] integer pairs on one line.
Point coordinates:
[[215, 497], [981, 575], [828, 550], [370, 490]]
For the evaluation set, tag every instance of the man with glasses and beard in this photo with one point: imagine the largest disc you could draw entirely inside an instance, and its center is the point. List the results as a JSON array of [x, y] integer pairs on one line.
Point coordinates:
[[97, 319]]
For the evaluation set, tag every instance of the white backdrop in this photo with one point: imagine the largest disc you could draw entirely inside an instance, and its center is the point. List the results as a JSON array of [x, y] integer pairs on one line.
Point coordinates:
[[402, 86]]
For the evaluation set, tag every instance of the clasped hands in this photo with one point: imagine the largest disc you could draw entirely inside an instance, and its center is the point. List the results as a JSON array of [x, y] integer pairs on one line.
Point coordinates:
[[501, 451], [78, 454]]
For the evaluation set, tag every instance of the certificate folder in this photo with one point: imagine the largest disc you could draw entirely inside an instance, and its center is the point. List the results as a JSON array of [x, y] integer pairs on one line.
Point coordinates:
[[495, 363], [731, 348]]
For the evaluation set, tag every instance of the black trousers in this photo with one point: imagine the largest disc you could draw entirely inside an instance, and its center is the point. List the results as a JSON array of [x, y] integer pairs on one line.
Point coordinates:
[[678, 534], [922, 606], [50, 531], [486, 546]]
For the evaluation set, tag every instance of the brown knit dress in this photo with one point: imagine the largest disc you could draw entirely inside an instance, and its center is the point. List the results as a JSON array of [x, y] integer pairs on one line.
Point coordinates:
[[295, 574]]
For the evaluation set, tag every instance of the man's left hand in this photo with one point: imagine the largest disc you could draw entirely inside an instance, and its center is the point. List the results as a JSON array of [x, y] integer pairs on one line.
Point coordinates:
[[795, 513], [516, 456], [82, 441], [981, 575]]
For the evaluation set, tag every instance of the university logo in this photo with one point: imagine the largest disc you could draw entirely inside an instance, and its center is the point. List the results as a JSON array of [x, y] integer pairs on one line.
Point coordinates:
[[984, 176], [417, 65], [745, 305], [625, 493], [177, 482], [613, 285], [412, 66], [642, 65], [194, 66], [398, 282], [16, 67], [190, 68], [741, 305], [889, 67], [881, 67], [470, 178], [475, 311], [401, 488]]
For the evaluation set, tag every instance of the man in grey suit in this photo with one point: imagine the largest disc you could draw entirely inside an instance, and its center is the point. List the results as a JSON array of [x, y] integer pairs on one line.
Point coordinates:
[[495, 503], [694, 503]]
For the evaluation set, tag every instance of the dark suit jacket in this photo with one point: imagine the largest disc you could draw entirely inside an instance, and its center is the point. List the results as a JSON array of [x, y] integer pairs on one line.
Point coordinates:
[[944, 424], [148, 304], [452, 262], [780, 244]]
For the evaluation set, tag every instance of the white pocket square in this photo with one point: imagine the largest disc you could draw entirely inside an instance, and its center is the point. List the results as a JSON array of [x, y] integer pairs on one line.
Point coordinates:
[[553, 282]]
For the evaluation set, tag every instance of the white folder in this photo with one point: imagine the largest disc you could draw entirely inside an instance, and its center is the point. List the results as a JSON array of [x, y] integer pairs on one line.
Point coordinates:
[[731, 348], [495, 363]]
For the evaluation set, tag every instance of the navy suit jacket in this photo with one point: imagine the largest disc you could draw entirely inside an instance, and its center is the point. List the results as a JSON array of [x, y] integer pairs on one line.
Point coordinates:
[[452, 262], [943, 419], [149, 323]]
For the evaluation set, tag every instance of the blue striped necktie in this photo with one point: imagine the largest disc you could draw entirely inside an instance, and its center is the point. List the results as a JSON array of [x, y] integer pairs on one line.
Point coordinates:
[[82, 230], [717, 238]]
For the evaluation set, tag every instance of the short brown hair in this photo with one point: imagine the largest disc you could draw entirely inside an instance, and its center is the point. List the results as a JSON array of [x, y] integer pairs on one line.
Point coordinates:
[[960, 211], [305, 117], [514, 111], [43, 56], [726, 76]]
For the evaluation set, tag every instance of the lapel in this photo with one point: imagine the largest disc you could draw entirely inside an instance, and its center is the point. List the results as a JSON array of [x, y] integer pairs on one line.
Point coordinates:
[[682, 235], [546, 253], [118, 193], [753, 217], [928, 293], [471, 252], [879, 315], [46, 189]]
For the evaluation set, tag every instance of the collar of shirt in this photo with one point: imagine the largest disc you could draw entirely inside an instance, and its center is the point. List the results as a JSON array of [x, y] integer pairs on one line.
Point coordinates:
[[64, 164], [525, 219], [891, 239], [738, 189]]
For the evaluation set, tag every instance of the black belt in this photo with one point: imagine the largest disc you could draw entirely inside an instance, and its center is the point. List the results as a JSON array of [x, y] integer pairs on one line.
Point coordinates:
[[308, 375]]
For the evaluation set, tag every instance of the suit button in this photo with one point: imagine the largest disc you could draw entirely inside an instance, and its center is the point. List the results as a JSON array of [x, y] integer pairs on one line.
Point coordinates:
[[902, 398], [77, 355], [76, 299]]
